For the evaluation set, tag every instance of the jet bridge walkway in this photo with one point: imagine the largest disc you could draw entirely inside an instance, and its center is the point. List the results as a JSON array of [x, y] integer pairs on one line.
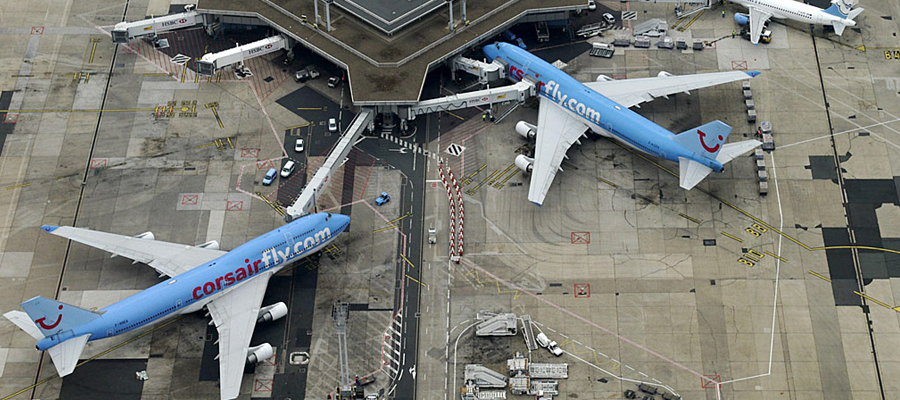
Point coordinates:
[[306, 201], [518, 92]]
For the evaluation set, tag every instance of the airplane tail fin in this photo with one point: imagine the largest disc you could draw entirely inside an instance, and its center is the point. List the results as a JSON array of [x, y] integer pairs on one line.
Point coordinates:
[[51, 317], [690, 172], [706, 139], [44, 317], [843, 9]]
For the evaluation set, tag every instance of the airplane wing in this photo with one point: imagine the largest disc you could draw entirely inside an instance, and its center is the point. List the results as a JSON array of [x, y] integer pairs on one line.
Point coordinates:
[[557, 131], [168, 258], [758, 20], [235, 315], [631, 92], [690, 173]]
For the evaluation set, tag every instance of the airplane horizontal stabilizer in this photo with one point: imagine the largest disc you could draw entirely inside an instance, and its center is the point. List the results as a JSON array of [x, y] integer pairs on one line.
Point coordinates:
[[65, 355], [838, 28], [690, 173], [24, 322], [731, 151]]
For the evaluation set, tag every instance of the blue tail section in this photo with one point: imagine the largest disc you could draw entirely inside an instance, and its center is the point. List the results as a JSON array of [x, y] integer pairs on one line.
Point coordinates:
[[839, 8], [51, 316], [705, 140]]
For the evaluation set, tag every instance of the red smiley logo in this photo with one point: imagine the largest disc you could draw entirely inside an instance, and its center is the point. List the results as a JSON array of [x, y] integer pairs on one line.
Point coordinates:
[[40, 321], [703, 142]]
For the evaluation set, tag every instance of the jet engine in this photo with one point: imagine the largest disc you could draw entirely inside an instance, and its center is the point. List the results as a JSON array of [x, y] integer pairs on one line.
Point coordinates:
[[145, 235], [272, 313], [259, 353], [212, 245], [604, 78], [524, 163], [528, 131], [741, 19]]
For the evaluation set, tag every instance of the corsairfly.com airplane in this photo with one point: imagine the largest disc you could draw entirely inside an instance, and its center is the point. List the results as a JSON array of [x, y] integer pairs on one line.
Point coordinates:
[[569, 108], [839, 15], [230, 285]]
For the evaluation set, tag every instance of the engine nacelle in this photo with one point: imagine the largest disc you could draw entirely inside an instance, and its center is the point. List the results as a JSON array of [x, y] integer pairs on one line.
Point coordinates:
[[604, 78], [272, 313], [145, 235], [259, 353], [212, 245], [526, 130], [741, 19], [524, 163]]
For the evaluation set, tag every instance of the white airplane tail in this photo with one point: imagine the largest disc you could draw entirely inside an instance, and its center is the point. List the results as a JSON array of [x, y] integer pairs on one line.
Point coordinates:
[[844, 10], [690, 172], [45, 318]]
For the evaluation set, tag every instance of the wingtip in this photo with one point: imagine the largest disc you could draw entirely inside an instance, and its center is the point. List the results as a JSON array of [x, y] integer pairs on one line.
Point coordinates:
[[537, 204], [753, 74], [49, 228]]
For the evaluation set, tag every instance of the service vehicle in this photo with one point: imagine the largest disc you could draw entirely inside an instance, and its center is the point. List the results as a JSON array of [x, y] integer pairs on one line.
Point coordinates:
[[270, 176], [383, 198], [288, 168], [333, 81]]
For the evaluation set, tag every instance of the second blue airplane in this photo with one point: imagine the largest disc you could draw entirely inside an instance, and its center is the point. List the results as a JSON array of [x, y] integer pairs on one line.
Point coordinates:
[[570, 108]]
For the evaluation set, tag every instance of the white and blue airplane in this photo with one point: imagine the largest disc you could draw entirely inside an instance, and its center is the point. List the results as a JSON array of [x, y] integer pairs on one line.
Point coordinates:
[[230, 285], [839, 15], [569, 108]]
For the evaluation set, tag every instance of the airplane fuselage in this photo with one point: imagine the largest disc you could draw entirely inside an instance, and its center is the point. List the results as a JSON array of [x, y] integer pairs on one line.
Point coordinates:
[[191, 290], [794, 10], [602, 115]]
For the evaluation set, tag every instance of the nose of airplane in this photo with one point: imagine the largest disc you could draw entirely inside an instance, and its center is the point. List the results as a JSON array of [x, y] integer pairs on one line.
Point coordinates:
[[341, 219]]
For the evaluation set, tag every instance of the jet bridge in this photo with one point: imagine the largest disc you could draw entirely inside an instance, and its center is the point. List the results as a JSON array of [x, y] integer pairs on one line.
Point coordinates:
[[212, 62], [519, 92], [307, 199], [125, 31], [486, 72]]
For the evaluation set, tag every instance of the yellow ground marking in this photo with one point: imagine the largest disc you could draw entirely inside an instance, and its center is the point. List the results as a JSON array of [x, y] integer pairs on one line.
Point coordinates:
[[739, 240], [817, 275], [384, 229], [876, 301], [468, 179], [690, 218], [60, 110], [607, 182], [219, 120], [101, 354], [768, 253], [503, 182], [399, 218], [183, 72], [407, 261], [511, 166], [474, 272], [680, 20], [415, 280], [684, 28], [158, 74], [474, 190], [299, 126], [864, 48], [310, 108], [18, 186], [754, 218], [93, 49], [457, 116]]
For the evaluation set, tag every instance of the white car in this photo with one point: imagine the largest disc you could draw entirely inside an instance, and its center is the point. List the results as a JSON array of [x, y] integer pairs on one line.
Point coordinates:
[[554, 348], [288, 168], [592, 5], [542, 340], [609, 18], [298, 146], [332, 125]]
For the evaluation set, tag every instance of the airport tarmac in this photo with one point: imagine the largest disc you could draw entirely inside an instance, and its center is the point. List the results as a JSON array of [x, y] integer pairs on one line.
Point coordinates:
[[713, 293]]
